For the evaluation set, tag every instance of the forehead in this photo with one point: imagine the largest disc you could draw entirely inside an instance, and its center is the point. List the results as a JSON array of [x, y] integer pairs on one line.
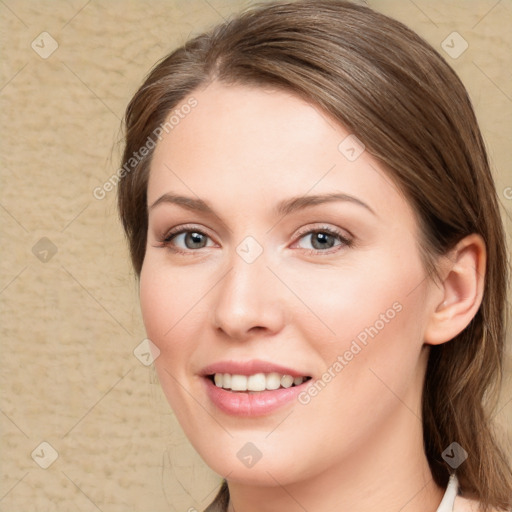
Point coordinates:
[[256, 145]]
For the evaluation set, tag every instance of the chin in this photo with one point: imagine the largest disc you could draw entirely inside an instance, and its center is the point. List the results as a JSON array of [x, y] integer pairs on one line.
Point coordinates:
[[241, 461]]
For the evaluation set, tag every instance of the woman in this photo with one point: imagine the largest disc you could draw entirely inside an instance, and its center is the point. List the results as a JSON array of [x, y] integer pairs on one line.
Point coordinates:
[[311, 213]]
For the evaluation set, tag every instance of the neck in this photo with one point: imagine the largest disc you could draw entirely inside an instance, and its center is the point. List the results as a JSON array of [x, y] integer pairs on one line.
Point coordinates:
[[388, 473]]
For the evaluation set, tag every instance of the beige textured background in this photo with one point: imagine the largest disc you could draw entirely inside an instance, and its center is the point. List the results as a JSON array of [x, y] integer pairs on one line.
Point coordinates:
[[70, 319]]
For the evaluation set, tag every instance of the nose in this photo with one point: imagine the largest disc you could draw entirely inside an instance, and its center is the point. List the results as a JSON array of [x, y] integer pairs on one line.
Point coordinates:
[[249, 301]]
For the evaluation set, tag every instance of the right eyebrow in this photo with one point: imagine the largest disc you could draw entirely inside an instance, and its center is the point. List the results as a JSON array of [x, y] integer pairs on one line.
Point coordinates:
[[187, 202]]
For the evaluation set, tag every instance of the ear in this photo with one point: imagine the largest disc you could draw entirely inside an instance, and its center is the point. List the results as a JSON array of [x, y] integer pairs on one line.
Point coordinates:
[[460, 292]]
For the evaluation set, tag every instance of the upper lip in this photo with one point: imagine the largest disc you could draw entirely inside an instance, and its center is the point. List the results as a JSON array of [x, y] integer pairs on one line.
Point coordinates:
[[249, 368]]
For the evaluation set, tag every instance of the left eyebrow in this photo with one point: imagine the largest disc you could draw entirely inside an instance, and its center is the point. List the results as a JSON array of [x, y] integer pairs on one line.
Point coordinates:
[[297, 203]]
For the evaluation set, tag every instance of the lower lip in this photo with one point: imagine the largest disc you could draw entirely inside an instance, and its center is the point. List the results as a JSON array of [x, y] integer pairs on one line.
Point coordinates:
[[250, 403]]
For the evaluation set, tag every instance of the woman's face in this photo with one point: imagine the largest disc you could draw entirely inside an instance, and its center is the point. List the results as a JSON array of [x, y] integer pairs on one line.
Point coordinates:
[[278, 248]]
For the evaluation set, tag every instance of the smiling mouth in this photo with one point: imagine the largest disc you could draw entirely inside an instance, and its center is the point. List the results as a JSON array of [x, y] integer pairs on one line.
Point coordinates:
[[255, 383]]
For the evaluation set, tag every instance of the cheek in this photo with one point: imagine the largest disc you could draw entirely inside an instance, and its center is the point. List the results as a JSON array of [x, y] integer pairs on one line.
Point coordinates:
[[171, 311], [369, 321], [168, 315], [156, 304], [375, 356], [167, 302], [365, 294]]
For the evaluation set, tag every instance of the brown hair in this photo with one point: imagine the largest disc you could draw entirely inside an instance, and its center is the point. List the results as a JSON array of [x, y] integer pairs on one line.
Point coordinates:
[[396, 94]]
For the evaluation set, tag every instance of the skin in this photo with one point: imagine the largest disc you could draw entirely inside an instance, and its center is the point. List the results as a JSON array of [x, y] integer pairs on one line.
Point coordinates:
[[357, 445]]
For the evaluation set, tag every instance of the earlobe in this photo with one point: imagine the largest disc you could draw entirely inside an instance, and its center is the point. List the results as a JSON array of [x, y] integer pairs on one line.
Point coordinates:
[[461, 290]]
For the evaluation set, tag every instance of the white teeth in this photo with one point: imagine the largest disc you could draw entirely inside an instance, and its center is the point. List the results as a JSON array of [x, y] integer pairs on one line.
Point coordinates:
[[286, 381], [273, 381], [238, 382], [256, 382], [226, 380]]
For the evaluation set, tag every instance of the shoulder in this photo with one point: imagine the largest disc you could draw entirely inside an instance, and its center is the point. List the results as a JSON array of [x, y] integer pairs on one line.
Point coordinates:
[[467, 505]]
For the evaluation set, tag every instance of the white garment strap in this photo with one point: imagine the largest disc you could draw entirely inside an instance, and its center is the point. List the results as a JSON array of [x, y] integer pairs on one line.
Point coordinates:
[[448, 500]]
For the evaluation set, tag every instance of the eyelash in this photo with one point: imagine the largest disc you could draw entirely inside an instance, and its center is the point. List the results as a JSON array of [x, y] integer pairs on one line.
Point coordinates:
[[344, 241]]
